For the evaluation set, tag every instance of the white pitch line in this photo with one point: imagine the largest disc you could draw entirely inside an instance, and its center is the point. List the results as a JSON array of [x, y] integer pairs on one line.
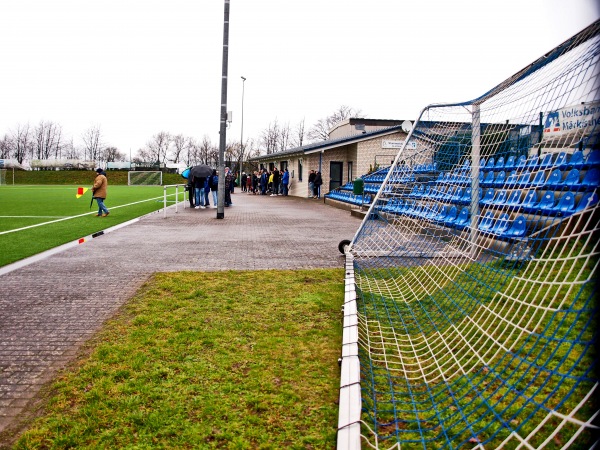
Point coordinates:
[[74, 217]]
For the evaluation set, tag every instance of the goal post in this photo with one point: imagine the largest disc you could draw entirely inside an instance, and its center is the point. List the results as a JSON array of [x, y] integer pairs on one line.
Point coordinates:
[[151, 178]]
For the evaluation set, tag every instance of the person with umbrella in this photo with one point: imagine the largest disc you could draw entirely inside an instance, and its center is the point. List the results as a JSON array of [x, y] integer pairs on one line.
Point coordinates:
[[99, 192]]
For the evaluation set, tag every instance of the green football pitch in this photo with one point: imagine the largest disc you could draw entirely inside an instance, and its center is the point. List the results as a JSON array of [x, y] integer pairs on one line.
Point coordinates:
[[37, 218]]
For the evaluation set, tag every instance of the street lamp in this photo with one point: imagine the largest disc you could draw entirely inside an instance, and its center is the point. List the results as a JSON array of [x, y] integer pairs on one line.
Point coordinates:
[[242, 134]]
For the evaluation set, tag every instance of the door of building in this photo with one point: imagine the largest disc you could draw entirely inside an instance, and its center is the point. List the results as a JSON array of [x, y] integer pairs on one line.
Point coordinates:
[[335, 175]]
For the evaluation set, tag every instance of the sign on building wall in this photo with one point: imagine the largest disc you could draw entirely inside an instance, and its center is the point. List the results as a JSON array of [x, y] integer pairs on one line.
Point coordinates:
[[582, 118], [412, 145]]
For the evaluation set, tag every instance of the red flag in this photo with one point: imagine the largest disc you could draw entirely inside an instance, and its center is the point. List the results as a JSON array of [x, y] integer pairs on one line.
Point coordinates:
[[81, 191]]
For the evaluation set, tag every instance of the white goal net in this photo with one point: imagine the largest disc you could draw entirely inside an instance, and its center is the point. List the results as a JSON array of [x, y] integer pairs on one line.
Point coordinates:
[[471, 308], [153, 178]]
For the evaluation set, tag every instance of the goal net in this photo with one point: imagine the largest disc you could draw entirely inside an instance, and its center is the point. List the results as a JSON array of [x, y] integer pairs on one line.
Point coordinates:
[[144, 178], [471, 303]]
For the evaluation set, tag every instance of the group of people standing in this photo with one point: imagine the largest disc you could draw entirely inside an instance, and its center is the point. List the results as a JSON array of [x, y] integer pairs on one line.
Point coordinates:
[[200, 188], [260, 182], [263, 182]]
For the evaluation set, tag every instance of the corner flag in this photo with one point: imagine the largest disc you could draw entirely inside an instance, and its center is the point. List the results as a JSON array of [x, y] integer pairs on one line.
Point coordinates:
[[81, 191]]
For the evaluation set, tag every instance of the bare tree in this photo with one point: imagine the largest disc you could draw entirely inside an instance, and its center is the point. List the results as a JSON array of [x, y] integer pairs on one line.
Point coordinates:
[[112, 154], [180, 143], [6, 147], [92, 140], [22, 142], [320, 130], [158, 148], [270, 137], [70, 151], [299, 134], [47, 140], [283, 139]]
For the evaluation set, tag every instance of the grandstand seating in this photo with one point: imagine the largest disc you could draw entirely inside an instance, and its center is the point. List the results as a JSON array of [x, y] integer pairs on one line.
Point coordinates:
[[568, 183]]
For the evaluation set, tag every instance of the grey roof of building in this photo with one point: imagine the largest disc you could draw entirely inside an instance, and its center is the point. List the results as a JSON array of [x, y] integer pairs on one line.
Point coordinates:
[[328, 143]]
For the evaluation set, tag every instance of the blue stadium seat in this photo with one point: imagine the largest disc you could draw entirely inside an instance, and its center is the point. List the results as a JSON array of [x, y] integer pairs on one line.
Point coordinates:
[[442, 215], [561, 161], [517, 229], [565, 205], [591, 179], [499, 164], [576, 161], [532, 163], [488, 197], [593, 159], [500, 198], [488, 181], [514, 199], [462, 220], [510, 163], [457, 195], [545, 161], [500, 179], [521, 162], [501, 224], [571, 181], [588, 200], [487, 222], [530, 200], [544, 206], [554, 179], [451, 216], [524, 179], [512, 179]]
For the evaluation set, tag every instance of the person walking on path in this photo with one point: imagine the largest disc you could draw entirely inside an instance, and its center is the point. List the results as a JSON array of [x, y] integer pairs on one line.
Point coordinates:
[[99, 190]]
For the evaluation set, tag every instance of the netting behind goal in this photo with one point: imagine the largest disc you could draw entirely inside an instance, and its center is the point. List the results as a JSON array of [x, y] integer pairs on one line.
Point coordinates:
[[472, 290], [144, 178]]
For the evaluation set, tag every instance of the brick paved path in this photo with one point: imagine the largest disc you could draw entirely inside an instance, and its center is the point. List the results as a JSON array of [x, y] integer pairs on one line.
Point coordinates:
[[50, 307]]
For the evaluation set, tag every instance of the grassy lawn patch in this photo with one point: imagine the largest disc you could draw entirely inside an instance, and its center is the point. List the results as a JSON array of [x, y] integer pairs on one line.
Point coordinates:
[[207, 360]]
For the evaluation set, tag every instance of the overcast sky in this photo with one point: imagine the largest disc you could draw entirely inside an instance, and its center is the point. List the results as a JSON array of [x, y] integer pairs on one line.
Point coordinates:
[[138, 67]]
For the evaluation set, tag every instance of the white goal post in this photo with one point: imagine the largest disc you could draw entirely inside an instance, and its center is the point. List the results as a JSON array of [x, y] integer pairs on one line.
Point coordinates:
[[153, 178]]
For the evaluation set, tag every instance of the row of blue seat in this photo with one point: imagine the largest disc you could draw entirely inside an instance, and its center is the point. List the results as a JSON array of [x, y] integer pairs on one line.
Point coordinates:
[[557, 179], [515, 199], [348, 197], [449, 216], [546, 161]]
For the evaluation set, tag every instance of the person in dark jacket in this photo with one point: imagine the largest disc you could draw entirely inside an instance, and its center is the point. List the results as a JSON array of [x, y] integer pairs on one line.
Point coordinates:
[[311, 184], [318, 183]]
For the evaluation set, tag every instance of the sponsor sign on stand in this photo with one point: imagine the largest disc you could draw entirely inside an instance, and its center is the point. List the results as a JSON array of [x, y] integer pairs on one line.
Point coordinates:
[[582, 118]]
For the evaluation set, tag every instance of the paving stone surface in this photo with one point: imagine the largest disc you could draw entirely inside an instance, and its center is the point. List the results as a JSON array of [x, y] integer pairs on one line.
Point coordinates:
[[49, 308]]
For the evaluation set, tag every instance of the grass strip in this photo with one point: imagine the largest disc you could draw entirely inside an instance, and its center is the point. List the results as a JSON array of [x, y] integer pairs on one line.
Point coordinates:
[[234, 360]]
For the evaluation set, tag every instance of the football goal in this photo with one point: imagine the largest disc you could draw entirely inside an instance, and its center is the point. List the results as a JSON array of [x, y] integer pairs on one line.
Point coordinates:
[[471, 295], [141, 178]]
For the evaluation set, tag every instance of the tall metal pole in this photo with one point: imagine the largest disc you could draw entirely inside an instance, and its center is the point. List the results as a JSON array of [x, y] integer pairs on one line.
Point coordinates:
[[222, 131], [242, 135]]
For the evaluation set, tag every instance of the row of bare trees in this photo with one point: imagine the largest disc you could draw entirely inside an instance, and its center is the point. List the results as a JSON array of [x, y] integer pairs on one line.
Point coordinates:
[[46, 141]]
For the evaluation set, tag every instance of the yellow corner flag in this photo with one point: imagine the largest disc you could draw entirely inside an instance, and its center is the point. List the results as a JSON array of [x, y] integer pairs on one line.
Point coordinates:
[[81, 191]]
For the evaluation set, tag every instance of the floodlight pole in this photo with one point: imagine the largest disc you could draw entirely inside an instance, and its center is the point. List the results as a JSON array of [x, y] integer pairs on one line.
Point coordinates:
[[222, 131], [242, 134]]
